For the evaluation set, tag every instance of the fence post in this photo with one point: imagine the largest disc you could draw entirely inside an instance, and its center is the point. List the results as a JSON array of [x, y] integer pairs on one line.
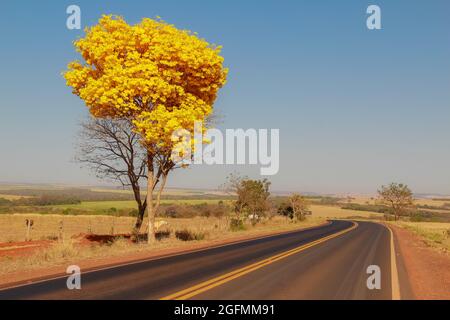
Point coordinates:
[[61, 231], [112, 226], [29, 224]]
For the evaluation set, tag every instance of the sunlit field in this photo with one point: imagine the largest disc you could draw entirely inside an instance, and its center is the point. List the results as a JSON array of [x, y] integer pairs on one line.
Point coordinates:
[[105, 205], [330, 212], [435, 234], [75, 229]]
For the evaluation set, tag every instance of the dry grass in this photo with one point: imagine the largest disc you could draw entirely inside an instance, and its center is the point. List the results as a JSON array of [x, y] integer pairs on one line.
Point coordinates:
[[13, 228], [168, 191], [336, 212], [128, 204], [431, 202], [420, 202], [12, 197], [210, 229], [358, 199], [435, 234], [62, 252]]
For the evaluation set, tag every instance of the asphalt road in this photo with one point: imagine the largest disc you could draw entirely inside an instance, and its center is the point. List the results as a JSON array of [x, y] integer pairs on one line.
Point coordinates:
[[320, 263]]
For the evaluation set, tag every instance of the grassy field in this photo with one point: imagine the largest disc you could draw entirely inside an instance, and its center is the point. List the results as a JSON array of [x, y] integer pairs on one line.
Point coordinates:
[[336, 212], [105, 205], [11, 196], [105, 210], [97, 217], [169, 191], [419, 201], [48, 225], [31, 186], [211, 229], [435, 234]]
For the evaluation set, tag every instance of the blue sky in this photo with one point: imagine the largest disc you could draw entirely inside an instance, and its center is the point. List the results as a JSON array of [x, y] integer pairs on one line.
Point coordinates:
[[355, 108]]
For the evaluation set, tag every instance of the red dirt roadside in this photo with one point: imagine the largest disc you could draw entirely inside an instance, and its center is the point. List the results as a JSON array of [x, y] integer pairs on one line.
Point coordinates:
[[23, 248], [427, 269]]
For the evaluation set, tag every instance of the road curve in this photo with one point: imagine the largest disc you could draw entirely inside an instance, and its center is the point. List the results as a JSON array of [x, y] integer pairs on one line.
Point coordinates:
[[331, 269]]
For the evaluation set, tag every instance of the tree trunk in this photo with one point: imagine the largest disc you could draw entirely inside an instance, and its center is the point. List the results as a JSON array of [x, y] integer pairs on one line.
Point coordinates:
[[150, 209], [141, 207], [139, 220], [138, 224]]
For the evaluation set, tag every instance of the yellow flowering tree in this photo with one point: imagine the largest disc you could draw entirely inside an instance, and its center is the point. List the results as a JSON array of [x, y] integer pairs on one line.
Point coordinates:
[[160, 78]]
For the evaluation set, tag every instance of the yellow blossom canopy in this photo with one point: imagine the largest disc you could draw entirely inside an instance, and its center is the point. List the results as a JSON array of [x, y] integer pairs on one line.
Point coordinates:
[[160, 77]]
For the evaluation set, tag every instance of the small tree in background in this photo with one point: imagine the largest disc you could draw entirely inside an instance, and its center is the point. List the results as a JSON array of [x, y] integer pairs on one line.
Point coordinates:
[[233, 186], [300, 206], [256, 198], [285, 209], [252, 196], [398, 197]]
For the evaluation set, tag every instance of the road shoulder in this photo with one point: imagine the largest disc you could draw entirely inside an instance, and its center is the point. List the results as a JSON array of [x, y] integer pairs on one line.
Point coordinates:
[[424, 270]]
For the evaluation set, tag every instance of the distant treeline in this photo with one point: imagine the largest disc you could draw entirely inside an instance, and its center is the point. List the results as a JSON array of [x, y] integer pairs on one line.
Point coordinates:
[[172, 210], [321, 200], [445, 206], [413, 214], [44, 197], [42, 200], [366, 207], [189, 211], [84, 194], [70, 193]]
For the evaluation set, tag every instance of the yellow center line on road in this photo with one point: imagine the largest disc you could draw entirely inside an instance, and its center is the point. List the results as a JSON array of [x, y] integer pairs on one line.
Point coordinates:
[[209, 284]]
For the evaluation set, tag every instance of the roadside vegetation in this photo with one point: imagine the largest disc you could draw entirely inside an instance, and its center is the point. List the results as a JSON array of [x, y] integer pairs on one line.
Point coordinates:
[[434, 234], [74, 238], [67, 224], [82, 223]]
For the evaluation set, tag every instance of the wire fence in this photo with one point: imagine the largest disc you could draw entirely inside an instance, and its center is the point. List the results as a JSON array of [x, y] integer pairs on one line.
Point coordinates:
[[14, 227]]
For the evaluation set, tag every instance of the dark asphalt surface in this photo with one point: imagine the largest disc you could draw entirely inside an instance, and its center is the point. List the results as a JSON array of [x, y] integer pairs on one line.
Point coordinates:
[[335, 269]]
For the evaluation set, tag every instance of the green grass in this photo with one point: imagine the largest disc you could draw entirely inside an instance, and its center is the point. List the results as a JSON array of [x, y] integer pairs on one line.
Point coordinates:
[[176, 192], [436, 234], [105, 205], [99, 205]]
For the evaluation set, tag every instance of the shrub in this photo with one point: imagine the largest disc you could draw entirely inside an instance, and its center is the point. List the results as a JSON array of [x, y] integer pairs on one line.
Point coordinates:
[[190, 211], [5, 202], [447, 233], [133, 213], [186, 235], [362, 207], [328, 201], [162, 234], [418, 216], [236, 224], [48, 200], [285, 209], [171, 212], [60, 250]]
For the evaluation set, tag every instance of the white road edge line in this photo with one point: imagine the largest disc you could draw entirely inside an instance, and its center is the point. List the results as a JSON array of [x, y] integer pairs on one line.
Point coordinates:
[[395, 284]]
